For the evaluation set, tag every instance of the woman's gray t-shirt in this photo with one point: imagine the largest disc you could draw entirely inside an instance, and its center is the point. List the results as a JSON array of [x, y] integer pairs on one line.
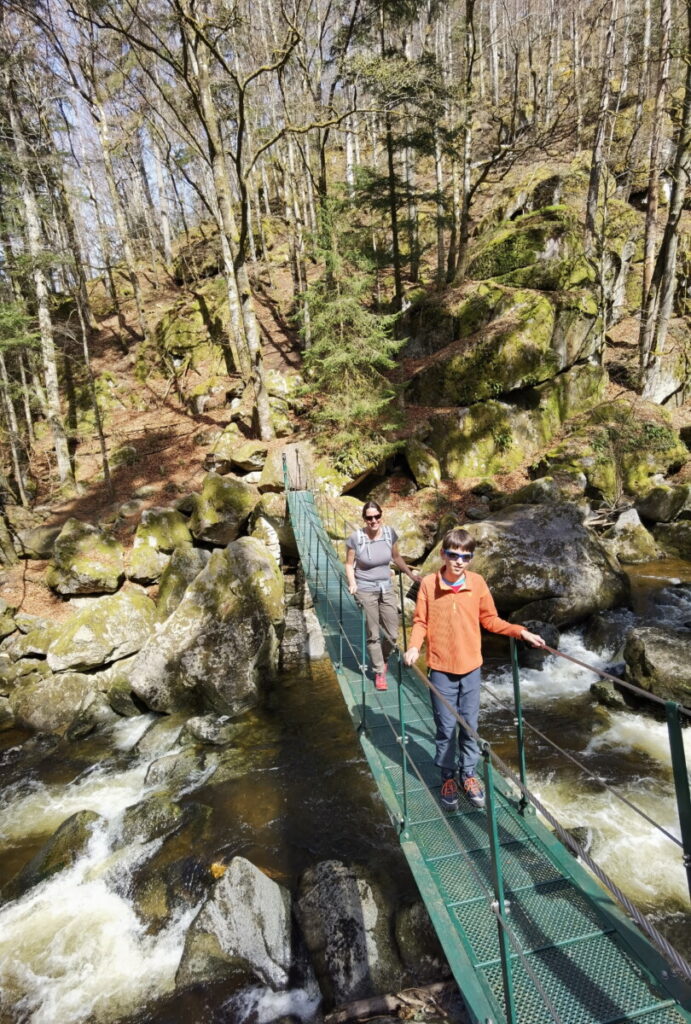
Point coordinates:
[[372, 558]]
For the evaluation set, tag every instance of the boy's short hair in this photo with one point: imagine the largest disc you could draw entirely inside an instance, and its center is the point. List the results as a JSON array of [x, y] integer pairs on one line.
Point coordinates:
[[458, 538]]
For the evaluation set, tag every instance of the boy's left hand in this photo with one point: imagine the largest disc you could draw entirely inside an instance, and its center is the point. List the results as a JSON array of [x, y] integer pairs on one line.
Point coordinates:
[[532, 638]]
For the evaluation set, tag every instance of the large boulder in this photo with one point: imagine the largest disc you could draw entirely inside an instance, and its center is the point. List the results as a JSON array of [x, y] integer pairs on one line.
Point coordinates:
[[106, 630], [541, 562], [494, 436], [675, 538], [243, 933], [629, 541], [37, 541], [184, 566], [347, 925], [424, 464], [159, 532], [657, 660], [86, 560], [665, 502], [222, 509], [51, 703], [271, 523], [529, 337], [211, 652]]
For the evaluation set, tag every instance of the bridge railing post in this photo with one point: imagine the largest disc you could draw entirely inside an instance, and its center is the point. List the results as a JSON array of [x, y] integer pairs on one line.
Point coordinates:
[[498, 885], [403, 740], [340, 622], [400, 590], [518, 721], [681, 781], [363, 670]]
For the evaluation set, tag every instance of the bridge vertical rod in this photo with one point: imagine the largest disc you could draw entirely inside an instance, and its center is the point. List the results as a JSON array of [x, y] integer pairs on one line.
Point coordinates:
[[681, 781], [498, 883], [400, 588], [340, 621], [363, 669], [403, 739], [326, 583], [518, 720]]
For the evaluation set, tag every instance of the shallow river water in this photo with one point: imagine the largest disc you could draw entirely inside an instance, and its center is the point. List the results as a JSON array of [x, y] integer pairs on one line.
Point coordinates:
[[293, 790]]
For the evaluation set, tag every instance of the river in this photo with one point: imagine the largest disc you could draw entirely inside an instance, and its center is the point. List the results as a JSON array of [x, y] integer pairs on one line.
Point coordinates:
[[101, 939]]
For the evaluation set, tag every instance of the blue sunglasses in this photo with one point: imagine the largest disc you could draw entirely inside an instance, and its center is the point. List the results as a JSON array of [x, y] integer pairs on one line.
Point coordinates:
[[458, 556]]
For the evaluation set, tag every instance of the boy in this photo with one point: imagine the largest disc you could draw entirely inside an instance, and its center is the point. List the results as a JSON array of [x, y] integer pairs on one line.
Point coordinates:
[[451, 607]]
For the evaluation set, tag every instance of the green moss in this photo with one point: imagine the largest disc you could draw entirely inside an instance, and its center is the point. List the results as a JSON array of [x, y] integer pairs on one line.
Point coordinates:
[[522, 242]]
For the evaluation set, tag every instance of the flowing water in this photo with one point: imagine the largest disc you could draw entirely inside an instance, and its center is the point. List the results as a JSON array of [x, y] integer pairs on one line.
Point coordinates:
[[101, 940]]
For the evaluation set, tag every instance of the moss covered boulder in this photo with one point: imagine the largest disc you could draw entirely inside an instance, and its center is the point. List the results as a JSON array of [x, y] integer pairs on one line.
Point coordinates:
[[184, 566], [630, 542], [620, 447], [527, 337], [222, 509], [675, 538], [548, 240], [86, 560], [51, 703], [159, 532], [424, 464], [211, 653], [493, 437], [271, 524], [196, 327], [665, 502], [106, 630]]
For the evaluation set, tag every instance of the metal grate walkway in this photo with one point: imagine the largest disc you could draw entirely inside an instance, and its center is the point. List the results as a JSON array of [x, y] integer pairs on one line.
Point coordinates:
[[570, 954]]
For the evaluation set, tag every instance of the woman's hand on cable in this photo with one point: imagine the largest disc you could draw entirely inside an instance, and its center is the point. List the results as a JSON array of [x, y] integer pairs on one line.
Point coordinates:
[[352, 587], [411, 655], [532, 638], [415, 576]]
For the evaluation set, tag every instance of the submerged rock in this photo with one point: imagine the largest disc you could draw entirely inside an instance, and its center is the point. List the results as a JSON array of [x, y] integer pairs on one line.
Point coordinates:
[[60, 852], [210, 653], [243, 932]]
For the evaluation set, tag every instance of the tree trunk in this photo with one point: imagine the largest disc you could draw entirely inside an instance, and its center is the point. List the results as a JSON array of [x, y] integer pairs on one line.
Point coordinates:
[[597, 159], [658, 308], [33, 235], [13, 431], [655, 145]]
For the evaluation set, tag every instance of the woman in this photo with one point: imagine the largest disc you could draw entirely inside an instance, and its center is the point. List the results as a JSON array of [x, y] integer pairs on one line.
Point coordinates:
[[369, 554]]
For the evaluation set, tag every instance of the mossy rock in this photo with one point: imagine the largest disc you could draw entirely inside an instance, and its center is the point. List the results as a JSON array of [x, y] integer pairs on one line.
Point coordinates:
[[51, 703], [547, 234], [196, 328], [675, 538], [494, 437], [527, 337], [86, 560], [106, 630], [666, 502], [185, 564], [198, 254], [222, 509]]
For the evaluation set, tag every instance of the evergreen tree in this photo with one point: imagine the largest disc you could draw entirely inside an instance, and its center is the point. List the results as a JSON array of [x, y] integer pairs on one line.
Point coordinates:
[[352, 348]]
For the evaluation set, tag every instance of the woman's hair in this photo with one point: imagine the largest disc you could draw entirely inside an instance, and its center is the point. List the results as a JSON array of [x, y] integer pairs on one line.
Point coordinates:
[[458, 538], [371, 504]]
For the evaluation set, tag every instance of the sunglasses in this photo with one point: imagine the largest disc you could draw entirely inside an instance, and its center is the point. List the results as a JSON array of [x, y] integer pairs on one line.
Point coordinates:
[[458, 556], [372, 519]]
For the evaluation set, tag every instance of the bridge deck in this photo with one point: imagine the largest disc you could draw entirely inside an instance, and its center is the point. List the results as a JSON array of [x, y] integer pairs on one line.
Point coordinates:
[[590, 961]]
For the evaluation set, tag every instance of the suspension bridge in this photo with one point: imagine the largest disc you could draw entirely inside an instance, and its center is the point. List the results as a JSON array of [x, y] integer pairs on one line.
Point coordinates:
[[530, 935]]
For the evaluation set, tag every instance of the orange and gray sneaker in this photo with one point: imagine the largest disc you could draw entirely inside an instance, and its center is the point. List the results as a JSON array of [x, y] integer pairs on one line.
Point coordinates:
[[473, 790], [380, 682], [449, 794]]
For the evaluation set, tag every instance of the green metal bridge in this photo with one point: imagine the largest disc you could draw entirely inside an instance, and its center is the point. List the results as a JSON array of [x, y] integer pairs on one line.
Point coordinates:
[[528, 932]]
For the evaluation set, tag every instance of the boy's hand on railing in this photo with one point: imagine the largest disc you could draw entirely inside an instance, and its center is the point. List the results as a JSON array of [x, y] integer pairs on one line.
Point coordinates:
[[411, 655], [534, 639]]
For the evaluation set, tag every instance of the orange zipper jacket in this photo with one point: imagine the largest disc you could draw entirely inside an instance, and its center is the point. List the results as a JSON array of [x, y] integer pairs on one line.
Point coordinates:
[[450, 622]]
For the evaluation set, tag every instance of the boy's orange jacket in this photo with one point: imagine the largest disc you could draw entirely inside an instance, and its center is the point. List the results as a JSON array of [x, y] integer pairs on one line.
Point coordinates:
[[450, 622]]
